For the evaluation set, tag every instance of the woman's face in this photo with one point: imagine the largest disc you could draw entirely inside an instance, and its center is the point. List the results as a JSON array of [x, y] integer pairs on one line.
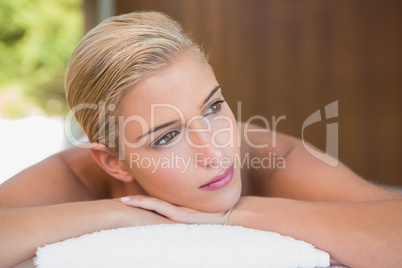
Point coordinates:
[[179, 137]]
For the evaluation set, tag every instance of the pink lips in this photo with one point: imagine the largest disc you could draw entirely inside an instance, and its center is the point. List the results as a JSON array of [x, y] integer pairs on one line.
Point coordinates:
[[220, 181]]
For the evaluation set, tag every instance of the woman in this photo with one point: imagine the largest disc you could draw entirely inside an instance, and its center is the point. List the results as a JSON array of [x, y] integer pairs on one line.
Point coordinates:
[[165, 148]]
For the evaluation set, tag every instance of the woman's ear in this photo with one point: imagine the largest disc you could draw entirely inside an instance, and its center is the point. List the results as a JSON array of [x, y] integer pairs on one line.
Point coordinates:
[[110, 162]]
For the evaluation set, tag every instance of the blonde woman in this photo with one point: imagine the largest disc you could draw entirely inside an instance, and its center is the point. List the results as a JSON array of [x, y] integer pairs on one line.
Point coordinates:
[[166, 148]]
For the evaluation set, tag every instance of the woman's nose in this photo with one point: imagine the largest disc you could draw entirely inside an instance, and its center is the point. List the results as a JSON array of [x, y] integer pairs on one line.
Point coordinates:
[[205, 153], [208, 157]]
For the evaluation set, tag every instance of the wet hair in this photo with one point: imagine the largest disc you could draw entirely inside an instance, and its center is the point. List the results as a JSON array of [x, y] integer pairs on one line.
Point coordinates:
[[113, 57]]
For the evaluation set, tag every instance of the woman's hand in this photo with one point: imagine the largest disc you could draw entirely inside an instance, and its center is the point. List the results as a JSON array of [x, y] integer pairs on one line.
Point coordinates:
[[176, 213], [135, 216]]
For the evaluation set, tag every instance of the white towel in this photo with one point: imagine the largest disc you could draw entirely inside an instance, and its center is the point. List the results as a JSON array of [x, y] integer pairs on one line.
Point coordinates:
[[180, 245]]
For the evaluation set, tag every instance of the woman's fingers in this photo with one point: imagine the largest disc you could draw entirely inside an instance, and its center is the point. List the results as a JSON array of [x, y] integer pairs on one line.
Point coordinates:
[[151, 203], [175, 213]]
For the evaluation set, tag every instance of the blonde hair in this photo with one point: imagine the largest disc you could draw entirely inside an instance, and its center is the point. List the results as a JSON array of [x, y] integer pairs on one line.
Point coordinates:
[[113, 57]]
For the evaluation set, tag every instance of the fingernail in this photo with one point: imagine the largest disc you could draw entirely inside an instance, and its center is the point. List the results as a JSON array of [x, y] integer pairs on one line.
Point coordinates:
[[125, 199]]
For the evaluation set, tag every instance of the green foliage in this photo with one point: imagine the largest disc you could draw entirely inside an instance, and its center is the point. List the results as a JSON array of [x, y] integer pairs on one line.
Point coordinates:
[[37, 38]]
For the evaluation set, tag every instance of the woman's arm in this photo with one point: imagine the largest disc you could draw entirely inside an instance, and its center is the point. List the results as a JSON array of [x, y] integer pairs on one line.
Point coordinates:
[[357, 234], [52, 201], [360, 234], [23, 230]]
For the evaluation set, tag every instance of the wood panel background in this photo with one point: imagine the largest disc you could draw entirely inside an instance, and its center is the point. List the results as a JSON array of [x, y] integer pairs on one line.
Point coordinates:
[[284, 57]]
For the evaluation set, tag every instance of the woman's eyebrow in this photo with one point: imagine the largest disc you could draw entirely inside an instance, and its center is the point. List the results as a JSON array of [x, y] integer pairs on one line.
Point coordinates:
[[211, 94], [175, 121], [158, 128]]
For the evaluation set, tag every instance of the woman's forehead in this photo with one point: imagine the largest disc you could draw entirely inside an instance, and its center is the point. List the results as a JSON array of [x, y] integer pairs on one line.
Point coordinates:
[[185, 83]]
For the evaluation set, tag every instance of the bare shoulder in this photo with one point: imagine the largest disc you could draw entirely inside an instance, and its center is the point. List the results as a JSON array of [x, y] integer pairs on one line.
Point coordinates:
[[89, 174], [291, 171], [68, 176], [262, 152]]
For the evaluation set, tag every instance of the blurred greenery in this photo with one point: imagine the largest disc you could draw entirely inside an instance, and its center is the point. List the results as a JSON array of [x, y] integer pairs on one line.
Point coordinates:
[[37, 38]]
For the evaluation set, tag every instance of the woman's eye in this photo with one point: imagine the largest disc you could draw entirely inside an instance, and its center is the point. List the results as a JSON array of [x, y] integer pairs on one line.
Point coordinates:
[[166, 138], [214, 108]]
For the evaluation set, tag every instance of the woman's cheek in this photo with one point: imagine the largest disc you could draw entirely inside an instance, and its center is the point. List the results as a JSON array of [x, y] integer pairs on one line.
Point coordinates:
[[169, 178]]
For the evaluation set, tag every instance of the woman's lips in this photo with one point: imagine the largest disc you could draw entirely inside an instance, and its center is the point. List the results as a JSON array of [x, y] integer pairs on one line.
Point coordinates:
[[220, 181]]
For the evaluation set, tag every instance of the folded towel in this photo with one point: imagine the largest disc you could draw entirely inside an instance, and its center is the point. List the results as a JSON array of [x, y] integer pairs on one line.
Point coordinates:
[[180, 245]]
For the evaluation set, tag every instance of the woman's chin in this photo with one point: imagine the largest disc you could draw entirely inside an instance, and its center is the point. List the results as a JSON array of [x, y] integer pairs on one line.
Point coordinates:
[[221, 204]]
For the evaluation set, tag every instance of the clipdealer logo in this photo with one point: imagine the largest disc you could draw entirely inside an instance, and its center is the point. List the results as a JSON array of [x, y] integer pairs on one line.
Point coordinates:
[[330, 156]]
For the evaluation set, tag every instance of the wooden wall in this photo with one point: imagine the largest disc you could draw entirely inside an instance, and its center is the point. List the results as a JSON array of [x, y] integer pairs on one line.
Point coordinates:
[[283, 57]]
